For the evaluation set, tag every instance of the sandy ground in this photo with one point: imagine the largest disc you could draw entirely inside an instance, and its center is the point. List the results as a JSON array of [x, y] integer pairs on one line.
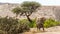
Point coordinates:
[[51, 30]]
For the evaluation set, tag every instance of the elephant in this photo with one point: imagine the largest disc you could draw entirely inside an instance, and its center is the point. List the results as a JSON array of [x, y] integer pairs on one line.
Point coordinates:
[[40, 23]]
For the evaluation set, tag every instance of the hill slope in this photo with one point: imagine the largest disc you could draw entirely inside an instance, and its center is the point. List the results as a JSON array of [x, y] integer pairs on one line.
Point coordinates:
[[47, 11]]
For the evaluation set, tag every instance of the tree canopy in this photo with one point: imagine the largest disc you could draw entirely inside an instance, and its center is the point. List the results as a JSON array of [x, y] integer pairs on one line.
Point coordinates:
[[27, 8], [30, 7]]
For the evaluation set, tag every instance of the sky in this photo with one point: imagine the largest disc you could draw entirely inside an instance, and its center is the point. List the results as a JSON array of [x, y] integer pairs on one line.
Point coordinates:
[[42, 2]]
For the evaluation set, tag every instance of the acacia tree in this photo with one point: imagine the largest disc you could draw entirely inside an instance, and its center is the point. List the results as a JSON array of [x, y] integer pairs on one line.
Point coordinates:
[[16, 11], [27, 8]]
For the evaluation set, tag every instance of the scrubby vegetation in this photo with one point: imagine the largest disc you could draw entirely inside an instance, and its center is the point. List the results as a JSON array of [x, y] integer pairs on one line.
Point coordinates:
[[50, 23], [31, 25], [10, 25]]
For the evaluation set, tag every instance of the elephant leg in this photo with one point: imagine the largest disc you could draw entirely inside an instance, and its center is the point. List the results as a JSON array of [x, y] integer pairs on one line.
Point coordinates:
[[43, 28]]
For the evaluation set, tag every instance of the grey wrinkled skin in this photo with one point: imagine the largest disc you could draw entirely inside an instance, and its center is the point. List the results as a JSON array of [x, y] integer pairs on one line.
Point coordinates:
[[40, 22]]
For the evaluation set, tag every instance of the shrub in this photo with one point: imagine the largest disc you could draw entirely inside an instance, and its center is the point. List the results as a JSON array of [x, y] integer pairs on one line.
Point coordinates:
[[31, 25], [23, 26], [10, 25], [3, 32], [50, 22]]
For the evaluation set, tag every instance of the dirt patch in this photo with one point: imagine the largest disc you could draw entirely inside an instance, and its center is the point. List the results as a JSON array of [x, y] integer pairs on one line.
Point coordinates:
[[51, 30]]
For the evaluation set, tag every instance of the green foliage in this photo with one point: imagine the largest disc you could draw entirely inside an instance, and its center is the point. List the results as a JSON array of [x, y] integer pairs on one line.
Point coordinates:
[[23, 25], [28, 4], [50, 22], [31, 25], [2, 32], [17, 10], [10, 25], [26, 9], [29, 7]]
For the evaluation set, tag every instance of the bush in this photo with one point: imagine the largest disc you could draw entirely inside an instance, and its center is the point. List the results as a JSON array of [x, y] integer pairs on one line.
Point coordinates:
[[3, 32], [31, 25], [24, 26], [8, 25], [12, 26], [50, 22]]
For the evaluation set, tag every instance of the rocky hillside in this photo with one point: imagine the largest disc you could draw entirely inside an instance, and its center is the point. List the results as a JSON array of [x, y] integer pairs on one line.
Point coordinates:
[[47, 11]]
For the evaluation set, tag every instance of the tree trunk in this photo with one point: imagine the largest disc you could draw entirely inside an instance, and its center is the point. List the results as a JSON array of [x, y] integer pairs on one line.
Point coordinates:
[[29, 19]]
